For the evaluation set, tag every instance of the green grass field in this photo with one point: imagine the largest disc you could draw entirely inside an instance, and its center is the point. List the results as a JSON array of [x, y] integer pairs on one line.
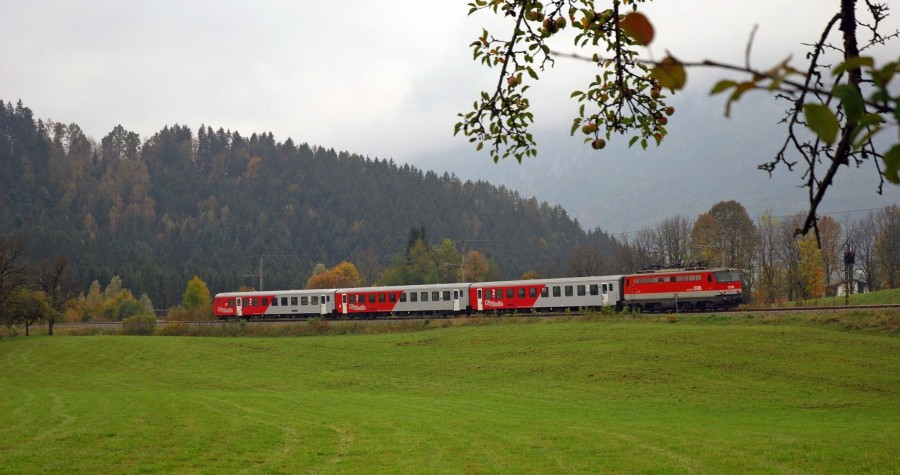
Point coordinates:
[[702, 395]]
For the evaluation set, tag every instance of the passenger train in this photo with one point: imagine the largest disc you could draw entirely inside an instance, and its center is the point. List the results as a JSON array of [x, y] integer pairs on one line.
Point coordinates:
[[653, 290]]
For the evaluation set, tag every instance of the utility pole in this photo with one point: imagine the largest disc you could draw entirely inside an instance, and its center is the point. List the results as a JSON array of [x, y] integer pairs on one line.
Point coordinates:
[[723, 249], [261, 273], [463, 266]]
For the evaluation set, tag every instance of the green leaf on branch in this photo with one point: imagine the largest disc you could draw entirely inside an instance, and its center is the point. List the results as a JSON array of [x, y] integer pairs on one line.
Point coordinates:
[[670, 73], [868, 126], [821, 120], [853, 63], [852, 101], [892, 165], [722, 86]]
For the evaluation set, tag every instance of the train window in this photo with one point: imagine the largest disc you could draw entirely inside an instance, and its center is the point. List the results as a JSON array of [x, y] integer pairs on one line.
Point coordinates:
[[728, 276], [568, 291], [545, 292], [284, 301], [382, 298], [595, 289], [230, 303], [413, 297], [581, 291], [447, 295], [274, 301], [303, 300], [265, 301], [371, 298], [424, 296], [709, 277], [521, 292], [328, 298], [239, 302], [510, 293], [403, 296], [436, 296], [315, 300], [556, 291], [392, 297], [479, 294], [455, 294], [532, 292]]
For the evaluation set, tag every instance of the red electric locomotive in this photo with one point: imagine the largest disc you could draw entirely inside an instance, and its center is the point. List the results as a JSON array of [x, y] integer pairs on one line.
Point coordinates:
[[686, 289]]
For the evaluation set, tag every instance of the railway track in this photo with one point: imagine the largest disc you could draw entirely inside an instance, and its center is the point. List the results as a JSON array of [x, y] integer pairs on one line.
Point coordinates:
[[395, 318]]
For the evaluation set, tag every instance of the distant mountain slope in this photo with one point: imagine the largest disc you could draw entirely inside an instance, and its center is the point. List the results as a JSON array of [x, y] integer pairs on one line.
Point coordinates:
[[705, 159], [212, 203]]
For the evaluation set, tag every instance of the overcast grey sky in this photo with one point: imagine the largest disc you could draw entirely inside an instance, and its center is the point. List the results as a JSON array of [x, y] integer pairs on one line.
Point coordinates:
[[381, 78]]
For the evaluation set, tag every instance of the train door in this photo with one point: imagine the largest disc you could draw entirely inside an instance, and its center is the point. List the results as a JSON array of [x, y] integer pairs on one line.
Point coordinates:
[[479, 300], [343, 304], [456, 300], [608, 294], [240, 307], [323, 307]]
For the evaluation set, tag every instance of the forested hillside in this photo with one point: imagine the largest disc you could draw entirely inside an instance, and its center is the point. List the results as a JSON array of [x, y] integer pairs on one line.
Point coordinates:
[[213, 202]]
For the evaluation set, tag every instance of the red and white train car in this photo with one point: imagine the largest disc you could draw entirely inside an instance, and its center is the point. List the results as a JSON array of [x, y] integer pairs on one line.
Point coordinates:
[[429, 299], [687, 289], [546, 294], [274, 304]]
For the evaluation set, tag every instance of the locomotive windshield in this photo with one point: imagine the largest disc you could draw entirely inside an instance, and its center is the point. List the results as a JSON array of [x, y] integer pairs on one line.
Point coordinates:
[[728, 276]]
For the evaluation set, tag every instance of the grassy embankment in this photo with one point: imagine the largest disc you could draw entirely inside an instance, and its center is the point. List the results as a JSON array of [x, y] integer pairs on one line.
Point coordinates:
[[708, 394]]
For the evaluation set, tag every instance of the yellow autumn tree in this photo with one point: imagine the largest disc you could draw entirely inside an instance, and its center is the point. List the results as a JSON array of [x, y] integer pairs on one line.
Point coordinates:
[[340, 276], [812, 268]]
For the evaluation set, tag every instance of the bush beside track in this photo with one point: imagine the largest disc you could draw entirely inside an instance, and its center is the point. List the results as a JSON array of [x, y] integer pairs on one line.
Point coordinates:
[[883, 321]]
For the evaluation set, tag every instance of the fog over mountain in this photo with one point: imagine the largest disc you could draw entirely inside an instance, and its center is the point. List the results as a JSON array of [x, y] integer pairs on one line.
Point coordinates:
[[705, 159]]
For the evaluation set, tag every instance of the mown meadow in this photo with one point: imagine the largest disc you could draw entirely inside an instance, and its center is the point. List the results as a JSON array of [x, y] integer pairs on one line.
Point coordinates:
[[696, 394]]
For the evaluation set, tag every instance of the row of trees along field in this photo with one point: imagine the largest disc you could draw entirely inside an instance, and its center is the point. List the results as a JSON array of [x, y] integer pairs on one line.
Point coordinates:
[[777, 263], [33, 291]]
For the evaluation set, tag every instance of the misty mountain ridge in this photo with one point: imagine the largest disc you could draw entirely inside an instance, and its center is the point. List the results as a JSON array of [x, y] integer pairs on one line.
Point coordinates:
[[704, 159]]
